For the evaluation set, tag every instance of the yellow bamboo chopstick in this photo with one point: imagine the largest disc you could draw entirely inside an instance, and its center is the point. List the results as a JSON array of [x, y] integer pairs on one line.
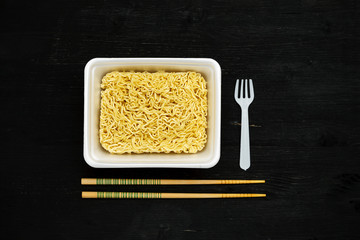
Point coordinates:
[[146, 195], [123, 181]]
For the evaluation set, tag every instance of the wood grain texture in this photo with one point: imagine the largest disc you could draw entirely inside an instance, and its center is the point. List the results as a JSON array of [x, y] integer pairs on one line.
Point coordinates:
[[303, 57]]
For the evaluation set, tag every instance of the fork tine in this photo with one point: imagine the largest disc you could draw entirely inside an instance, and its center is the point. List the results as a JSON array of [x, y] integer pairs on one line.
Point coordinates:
[[242, 89], [236, 93], [251, 89], [246, 88]]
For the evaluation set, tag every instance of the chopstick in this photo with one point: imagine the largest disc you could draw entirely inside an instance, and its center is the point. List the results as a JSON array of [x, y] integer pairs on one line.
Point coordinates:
[[147, 195], [123, 181]]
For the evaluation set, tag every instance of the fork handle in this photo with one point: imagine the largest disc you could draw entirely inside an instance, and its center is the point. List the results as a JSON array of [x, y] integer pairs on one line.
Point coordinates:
[[245, 140]]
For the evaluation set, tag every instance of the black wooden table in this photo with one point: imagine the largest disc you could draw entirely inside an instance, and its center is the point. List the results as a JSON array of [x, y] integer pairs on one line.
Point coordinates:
[[304, 59]]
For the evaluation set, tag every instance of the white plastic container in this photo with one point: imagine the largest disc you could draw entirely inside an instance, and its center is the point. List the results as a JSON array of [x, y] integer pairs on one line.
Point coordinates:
[[98, 157]]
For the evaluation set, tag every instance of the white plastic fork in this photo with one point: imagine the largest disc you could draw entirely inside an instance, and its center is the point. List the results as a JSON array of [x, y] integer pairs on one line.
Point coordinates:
[[244, 100]]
